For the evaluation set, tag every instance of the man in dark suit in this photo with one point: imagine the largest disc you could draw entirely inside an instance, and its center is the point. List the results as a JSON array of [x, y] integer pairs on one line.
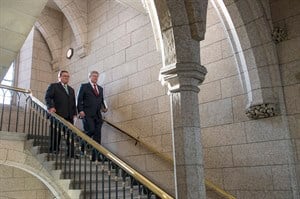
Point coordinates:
[[60, 99], [90, 103]]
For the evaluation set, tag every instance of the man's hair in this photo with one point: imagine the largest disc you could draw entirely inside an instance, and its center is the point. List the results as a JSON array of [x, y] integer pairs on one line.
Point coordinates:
[[61, 72], [93, 72]]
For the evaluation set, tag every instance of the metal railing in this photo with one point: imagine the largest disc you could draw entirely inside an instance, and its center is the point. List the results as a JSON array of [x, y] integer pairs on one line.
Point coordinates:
[[91, 167], [13, 108]]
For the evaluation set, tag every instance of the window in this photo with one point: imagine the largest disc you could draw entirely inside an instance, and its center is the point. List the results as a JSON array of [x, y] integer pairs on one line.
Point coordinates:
[[5, 95]]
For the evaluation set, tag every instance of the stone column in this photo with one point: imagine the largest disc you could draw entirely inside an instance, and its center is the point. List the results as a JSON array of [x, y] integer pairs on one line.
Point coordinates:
[[179, 27], [183, 80]]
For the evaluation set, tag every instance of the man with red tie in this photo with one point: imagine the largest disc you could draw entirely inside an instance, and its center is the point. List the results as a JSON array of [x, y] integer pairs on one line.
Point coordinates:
[[90, 103]]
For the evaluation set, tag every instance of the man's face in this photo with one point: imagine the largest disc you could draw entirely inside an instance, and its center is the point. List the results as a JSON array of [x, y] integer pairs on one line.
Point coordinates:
[[94, 78], [64, 78]]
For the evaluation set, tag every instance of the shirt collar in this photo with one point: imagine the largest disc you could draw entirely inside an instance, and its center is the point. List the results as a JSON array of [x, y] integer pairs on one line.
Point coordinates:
[[93, 84], [63, 84]]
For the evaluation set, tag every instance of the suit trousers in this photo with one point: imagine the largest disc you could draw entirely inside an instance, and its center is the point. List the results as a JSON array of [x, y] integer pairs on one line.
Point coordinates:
[[92, 127], [54, 137]]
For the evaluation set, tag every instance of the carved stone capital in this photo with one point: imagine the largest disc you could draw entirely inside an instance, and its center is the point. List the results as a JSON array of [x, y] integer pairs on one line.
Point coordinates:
[[261, 111], [183, 76]]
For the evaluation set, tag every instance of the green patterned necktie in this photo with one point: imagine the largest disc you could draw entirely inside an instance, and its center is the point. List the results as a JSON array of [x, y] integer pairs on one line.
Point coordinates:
[[66, 88]]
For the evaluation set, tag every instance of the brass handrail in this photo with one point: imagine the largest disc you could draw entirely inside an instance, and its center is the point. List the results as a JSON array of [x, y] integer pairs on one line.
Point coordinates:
[[137, 140], [22, 90], [208, 183], [124, 132], [110, 155], [154, 188]]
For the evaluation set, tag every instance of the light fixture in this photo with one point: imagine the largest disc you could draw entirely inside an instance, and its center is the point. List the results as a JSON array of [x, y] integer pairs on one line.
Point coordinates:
[[70, 52]]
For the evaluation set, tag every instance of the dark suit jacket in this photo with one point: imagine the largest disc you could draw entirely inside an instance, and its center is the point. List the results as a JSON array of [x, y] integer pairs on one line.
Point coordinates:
[[56, 97], [88, 102]]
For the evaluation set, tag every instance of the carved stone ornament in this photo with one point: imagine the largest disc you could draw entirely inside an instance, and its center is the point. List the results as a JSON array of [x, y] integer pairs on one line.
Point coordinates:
[[55, 64], [279, 34], [261, 111], [82, 50]]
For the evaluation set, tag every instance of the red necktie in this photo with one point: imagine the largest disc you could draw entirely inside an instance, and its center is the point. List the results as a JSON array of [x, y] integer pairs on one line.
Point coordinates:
[[95, 90]]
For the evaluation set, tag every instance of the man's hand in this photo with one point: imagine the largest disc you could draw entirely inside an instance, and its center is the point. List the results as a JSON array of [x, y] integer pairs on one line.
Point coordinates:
[[81, 114], [51, 110], [104, 110]]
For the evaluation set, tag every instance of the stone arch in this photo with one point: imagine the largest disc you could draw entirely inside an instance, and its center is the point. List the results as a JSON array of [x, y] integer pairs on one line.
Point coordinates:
[[52, 39], [15, 151], [249, 31], [77, 19], [250, 34], [170, 26], [178, 28], [35, 173]]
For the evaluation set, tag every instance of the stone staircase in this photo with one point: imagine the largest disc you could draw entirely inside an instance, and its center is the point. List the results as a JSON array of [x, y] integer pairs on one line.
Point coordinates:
[[85, 179]]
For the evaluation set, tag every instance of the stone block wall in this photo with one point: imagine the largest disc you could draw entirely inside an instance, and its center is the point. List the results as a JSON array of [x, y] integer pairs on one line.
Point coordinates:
[[15, 183], [122, 48], [286, 15], [41, 71], [248, 158], [34, 68], [23, 72]]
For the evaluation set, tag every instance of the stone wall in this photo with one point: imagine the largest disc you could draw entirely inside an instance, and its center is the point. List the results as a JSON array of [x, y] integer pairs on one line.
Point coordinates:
[[286, 15], [34, 69], [23, 68], [248, 158], [41, 71], [17, 184], [122, 48]]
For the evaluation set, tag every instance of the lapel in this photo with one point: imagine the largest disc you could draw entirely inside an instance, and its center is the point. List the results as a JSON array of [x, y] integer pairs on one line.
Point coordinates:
[[60, 86], [92, 89]]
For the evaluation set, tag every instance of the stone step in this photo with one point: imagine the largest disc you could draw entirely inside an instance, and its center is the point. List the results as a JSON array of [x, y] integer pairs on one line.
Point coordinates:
[[89, 175], [91, 185], [49, 161], [88, 169], [135, 192]]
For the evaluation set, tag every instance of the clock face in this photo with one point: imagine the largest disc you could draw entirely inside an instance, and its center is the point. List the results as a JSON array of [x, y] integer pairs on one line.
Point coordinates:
[[70, 53]]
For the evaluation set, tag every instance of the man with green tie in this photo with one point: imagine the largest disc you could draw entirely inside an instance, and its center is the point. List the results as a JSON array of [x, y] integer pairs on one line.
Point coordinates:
[[60, 99]]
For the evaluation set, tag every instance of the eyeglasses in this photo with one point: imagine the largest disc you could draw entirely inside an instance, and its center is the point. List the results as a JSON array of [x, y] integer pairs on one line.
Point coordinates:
[[65, 76]]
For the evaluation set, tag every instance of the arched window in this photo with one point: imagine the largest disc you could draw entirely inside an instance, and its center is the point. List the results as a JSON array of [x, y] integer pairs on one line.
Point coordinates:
[[5, 95]]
